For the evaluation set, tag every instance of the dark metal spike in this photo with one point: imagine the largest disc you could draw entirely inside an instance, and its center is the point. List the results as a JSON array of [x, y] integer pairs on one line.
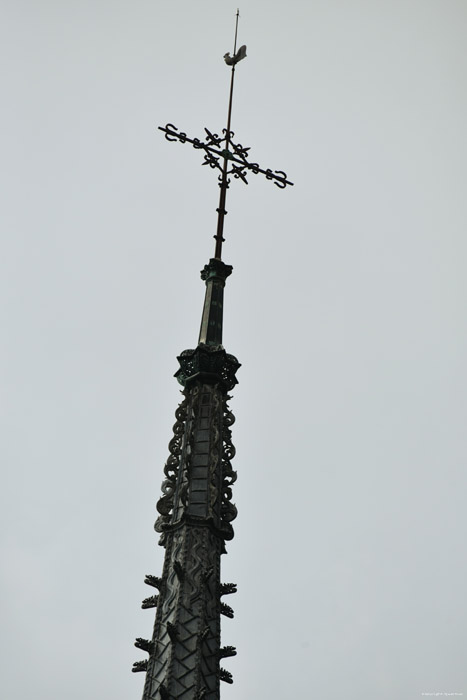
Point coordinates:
[[144, 644], [140, 666], [227, 610], [225, 676], [224, 652], [227, 588], [154, 581], [150, 602]]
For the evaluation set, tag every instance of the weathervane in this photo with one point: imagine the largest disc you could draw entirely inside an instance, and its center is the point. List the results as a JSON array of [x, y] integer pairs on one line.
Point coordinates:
[[234, 156]]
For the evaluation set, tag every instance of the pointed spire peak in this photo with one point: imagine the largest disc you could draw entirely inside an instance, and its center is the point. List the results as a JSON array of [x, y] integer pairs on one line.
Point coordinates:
[[237, 55], [221, 153]]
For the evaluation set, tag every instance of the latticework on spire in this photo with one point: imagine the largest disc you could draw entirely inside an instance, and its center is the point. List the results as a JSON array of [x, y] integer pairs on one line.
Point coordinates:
[[195, 516]]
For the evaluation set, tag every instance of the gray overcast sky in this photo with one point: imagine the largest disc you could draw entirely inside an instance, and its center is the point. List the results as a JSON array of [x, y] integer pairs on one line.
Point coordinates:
[[346, 309]]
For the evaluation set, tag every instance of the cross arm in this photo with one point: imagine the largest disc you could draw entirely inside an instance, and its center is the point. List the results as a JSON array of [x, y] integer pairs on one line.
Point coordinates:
[[212, 147]]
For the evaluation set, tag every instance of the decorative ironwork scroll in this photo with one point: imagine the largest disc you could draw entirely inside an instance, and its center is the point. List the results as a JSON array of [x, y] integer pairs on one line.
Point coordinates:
[[236, 155], [166, 502]]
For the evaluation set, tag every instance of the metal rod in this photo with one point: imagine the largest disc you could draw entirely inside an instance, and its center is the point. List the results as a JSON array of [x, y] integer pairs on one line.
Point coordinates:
[[221, 212], [236, 27]]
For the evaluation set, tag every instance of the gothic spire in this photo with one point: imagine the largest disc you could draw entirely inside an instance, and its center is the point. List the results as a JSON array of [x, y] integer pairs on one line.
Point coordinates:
[[196, 509]]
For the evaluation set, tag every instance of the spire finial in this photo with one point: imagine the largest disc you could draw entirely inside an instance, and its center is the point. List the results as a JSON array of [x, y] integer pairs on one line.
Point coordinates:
[[222, 153], [224, 180], [236, 27]]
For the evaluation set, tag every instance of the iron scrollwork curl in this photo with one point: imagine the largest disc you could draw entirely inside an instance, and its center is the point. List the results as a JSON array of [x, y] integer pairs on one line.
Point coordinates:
[[166, 502], [214, 430], [281, 182], [229, 476], [171, 130]]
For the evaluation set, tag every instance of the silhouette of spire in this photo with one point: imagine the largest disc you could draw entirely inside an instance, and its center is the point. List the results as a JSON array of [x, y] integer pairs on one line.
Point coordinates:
[[195, 511]]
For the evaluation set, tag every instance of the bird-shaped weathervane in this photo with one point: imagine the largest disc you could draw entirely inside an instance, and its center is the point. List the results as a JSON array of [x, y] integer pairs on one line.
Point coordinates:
[[225, 155], [233, 60]]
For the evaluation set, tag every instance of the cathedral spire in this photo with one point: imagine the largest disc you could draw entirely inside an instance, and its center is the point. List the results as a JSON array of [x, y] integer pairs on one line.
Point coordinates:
[[195, 511]]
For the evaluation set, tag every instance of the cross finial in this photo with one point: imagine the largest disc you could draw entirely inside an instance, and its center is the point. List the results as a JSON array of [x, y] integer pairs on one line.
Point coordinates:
[[233, 157]]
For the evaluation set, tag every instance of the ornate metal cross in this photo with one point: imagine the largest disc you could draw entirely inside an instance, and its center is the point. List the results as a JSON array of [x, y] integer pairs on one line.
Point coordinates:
[[234, 156]]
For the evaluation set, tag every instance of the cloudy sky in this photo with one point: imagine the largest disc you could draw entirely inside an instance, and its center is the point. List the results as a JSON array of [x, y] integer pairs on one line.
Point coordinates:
[[346, 309]]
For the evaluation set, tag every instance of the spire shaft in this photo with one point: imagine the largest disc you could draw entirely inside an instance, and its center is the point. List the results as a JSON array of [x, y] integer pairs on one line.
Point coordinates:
[[214, 274]]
